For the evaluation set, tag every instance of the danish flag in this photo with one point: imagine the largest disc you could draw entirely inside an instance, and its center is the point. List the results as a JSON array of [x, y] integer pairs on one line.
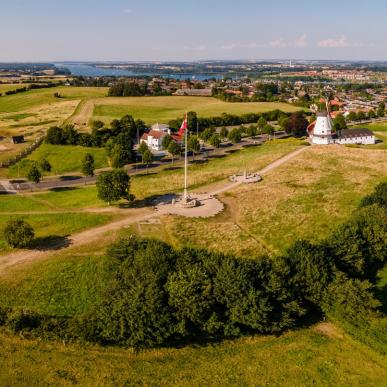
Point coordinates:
[[183, 127]]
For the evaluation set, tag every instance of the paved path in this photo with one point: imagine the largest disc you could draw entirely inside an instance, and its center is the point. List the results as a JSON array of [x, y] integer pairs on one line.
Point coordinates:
[[137, 215]]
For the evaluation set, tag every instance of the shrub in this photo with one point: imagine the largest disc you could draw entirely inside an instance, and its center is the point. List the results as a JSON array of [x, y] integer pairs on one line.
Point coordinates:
[[18, 233], [19, 320]]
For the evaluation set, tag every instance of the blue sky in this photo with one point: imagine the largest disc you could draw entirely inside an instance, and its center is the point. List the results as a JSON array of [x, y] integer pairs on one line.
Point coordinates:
[[55, 30]]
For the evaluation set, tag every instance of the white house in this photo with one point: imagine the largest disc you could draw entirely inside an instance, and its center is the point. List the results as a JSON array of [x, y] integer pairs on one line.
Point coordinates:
[[154, 138]]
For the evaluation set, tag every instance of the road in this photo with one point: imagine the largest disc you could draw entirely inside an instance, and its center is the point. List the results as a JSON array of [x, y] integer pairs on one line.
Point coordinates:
[[16, 185], [136, 215]]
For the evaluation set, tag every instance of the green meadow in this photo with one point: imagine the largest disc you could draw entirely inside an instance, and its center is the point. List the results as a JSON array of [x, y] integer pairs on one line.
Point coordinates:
[[63, 159]]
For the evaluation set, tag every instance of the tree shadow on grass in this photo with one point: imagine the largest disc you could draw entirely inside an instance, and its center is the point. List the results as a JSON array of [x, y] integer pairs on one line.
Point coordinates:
[[216, 156], [50, 243], [381, 295], [231, 151], [63, 189], [198, 162], [173, 168], [154, 200], [145, 174], [70, 178]]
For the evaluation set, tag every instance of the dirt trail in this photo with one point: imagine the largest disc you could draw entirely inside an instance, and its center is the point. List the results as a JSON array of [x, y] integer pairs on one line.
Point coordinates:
[[82, 117], [96, 233]]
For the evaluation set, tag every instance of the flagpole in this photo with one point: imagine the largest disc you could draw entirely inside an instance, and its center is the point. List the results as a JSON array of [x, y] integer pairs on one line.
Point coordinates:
[[186, 160]]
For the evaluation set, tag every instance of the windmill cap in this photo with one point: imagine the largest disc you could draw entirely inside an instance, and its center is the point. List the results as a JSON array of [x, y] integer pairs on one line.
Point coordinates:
[[322, 113]]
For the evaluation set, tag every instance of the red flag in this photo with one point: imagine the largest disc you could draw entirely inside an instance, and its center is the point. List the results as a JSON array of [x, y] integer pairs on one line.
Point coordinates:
[[183, 127]]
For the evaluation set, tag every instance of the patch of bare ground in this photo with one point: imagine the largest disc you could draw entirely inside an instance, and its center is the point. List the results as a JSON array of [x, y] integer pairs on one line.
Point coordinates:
[[328, 329]]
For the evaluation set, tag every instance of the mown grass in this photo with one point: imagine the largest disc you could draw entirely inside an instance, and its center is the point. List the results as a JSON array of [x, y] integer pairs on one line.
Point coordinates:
[[63, 159], [33, 98], [304, 357], [55, 225], [163, 109]]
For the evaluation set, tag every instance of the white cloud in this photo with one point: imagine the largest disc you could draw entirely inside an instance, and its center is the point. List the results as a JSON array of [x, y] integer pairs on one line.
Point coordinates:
[[231, 46], [342, 41], [279, 43], [127, 10], [250, 45], [194, 48], [301, 41]]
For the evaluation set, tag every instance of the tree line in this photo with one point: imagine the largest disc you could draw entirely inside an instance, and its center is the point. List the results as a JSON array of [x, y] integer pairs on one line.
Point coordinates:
[[157, 295], [33, 86]]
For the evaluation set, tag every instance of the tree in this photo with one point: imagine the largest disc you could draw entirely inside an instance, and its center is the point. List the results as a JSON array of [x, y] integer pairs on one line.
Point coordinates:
[[352, 116], [118, 156], [167, 139], [206, 134], [361, 116], [268, 129], [234, 135], [215, 140], [296, 124], [45, 165], [97, 124], [18, 233], [381, 109], [113, 186], [371, 114], [34, 174], [261, 123], [339, 123], [143, 147], [88, 165], [251, 131], [192, 121], [147, 158], [193, 145], [54, 135], [174, 149], [223, 132]]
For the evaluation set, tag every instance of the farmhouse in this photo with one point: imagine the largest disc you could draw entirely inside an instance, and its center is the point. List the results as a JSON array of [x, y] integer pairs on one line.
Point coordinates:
[[154, 138], [320, 132]]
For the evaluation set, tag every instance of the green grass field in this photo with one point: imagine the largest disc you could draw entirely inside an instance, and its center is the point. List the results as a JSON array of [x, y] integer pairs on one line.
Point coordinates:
[[55, 225], [163, 109], [376, 126], [63, 159], [34, 98], [319, 356]]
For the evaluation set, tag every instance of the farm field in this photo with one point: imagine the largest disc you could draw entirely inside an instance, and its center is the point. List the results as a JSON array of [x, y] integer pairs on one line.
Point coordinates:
[[33, 98], [164, 109]]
